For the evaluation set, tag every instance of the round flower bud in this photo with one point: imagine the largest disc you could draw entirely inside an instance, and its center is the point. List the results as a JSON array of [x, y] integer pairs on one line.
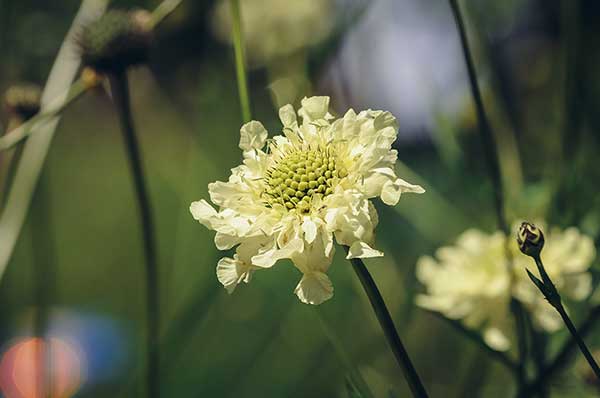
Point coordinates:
[[116, 41], [23, 101], [530, 239]]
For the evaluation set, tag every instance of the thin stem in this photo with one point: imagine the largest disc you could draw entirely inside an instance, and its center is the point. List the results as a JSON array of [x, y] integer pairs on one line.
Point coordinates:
[[13, 162], [553, 297], [353, 371], [240, 63], [55, 107], [44, 282], [120, 90], [389, 329], [163, 10], [584, 350], [476, 338], [562, 358], [489, 143], [490, 150]]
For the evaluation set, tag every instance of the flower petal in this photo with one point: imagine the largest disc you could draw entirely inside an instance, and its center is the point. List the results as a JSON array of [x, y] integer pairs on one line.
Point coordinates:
[[287, 115], [203, 212], [314, 288], [391, 191], [253, 135], [231, 272], [362, 250], [309, 227], [314, 108]]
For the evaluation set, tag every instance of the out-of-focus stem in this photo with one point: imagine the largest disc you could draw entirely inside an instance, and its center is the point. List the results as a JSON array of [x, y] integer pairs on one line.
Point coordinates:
[[44, 282], [562, 358], [240, 63], [163, 10], [55, 107], [490, 150], [120, 90]]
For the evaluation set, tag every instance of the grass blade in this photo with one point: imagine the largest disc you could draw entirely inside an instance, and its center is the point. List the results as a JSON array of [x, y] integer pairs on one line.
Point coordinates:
[[36, 148]]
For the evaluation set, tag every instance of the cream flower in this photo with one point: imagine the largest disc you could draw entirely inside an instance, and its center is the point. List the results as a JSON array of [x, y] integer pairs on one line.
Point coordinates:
[[275, 28], [470, 281], [298, 191]]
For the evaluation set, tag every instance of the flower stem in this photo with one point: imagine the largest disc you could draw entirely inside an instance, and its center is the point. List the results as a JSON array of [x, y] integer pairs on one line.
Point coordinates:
[[584, 350], [490, 150], [500, 356], [163, 10], [562, 358], [240, 63], [120, 90], [44, 283], [387, 324], [489, 143], [13, 137], [553, 297]]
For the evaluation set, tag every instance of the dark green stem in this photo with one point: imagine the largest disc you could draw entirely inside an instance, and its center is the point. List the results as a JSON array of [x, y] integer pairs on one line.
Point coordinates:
[[476, 338], [490, 150], [389, 329], [575, 334], [120, 91], [488, 140], [553, 297], [562, 358]]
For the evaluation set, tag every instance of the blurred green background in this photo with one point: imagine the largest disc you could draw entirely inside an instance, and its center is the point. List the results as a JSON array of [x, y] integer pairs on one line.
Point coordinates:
[[537, 61]]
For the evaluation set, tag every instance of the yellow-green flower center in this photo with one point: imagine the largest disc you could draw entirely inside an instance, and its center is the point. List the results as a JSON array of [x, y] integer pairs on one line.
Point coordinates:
[[300, 176]]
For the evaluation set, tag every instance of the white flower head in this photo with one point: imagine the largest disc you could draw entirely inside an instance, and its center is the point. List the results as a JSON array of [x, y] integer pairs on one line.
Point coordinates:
[[274, 29], [471, 281], [295, 193]]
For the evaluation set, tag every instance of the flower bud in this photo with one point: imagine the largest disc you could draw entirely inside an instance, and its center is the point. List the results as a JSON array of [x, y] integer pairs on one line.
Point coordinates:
[[530, 239], [116, 41], [22, 101]]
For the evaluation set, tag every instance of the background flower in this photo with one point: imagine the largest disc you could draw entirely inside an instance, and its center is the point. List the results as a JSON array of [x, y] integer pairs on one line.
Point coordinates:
[[273, 29], [470, 281]]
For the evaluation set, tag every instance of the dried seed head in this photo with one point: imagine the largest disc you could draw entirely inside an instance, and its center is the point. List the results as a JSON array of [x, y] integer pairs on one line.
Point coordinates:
[[116, 41], [530, 239], [23, 101]]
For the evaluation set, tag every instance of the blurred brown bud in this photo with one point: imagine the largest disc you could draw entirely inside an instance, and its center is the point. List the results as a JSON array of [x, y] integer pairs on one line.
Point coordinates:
[[116, 41], [22, 102]]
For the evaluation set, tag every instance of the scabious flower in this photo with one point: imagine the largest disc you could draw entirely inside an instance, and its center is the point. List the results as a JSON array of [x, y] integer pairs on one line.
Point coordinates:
[[273, 28], [471, 281], [295, 192]]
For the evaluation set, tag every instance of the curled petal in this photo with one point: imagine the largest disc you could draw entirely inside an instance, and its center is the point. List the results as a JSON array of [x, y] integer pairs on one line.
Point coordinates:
[[203, 212], [314, 108], [391, 191], [232, 272], [253, 135], [362, 250], [287, 115], [314, 288]]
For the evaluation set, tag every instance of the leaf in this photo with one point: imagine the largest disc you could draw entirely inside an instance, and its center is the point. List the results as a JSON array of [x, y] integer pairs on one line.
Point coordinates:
[[36, 148], [537, 282], [351, 389]]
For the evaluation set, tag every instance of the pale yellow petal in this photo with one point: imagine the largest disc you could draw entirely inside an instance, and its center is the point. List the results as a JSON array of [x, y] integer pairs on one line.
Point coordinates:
[[314, 288]]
